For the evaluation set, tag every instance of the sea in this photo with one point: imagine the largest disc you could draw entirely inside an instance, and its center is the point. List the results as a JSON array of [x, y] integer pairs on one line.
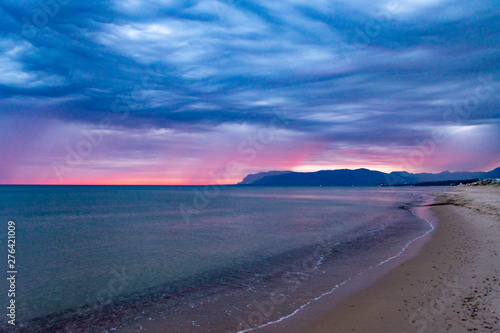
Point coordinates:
[[195, 258]]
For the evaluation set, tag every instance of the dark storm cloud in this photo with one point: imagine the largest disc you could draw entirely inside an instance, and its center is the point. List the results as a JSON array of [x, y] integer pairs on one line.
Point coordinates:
[[353, 71]]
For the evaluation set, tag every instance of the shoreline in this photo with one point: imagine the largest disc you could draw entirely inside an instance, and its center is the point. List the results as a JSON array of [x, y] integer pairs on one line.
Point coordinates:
[[452, 284], [329, 311], [316, 308]]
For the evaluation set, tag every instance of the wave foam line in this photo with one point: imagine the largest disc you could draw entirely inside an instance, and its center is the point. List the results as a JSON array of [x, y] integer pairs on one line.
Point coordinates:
[[403, 249]]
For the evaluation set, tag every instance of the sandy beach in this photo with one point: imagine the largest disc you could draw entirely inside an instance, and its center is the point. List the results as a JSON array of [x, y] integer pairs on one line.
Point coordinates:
[[453, 284]]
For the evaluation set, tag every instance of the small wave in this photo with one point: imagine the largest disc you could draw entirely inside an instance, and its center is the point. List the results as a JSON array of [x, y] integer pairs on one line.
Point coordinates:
[[403, 249]]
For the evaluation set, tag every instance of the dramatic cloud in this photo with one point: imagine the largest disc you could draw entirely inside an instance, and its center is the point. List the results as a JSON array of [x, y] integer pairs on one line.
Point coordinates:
[[180, 92]]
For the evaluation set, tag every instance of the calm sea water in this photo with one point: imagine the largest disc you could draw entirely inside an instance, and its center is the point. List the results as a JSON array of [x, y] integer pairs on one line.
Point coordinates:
[[103, 254]]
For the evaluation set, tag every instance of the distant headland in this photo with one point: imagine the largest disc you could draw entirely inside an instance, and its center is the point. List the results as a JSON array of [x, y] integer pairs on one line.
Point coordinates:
[[364, 177]]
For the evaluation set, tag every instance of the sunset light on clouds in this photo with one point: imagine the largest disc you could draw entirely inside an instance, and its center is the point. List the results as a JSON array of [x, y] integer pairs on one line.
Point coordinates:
[[205, 92]]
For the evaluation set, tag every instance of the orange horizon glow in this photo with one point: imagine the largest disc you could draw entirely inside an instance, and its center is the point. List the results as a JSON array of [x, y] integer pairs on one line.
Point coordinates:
[[211, 181], [132, 182]]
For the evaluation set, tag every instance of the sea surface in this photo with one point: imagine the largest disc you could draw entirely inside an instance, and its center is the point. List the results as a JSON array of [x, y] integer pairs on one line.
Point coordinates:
[[193, 259]]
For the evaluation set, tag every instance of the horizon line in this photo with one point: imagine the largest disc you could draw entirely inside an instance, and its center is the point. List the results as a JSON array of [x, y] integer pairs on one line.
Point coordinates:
[[235, 184]]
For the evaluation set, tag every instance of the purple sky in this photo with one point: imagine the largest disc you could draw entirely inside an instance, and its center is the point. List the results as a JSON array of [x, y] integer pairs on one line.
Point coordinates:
[[197, 92]]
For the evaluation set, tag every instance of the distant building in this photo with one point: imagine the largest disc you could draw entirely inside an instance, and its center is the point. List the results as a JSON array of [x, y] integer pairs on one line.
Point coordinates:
[[489, 181]]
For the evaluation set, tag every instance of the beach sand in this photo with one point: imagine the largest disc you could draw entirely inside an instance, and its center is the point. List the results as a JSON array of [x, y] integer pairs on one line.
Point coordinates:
[[452, 285]]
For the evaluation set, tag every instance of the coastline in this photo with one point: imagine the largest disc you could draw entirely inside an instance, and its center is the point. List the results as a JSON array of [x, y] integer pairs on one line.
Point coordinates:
[[451, 285], [315, 309], [408, 303]]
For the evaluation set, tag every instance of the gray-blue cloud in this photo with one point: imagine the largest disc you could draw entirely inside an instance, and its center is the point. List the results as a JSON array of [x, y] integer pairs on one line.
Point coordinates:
[[356, 72]]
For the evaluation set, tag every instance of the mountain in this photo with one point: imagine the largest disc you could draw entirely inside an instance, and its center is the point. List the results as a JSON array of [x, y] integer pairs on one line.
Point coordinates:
[[256, 176], [342, 177], [359, 177], [435, 177], [493, 173]]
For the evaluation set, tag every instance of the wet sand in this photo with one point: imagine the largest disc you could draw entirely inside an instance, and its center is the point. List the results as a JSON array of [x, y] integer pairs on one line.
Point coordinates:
[[453, 284]]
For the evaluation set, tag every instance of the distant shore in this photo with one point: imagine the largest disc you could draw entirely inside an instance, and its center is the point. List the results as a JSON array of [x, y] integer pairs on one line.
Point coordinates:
[[453, 284]]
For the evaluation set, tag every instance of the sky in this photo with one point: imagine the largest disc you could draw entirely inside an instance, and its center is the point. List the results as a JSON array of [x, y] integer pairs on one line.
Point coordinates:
[[205, 92]]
